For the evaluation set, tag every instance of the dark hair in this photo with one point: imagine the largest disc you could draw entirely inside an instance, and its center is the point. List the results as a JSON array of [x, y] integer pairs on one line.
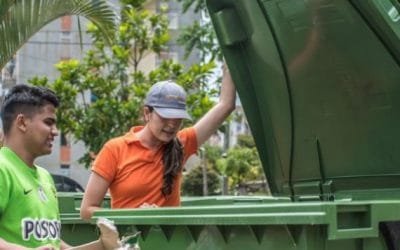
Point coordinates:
[[172, 161], [25, 99]]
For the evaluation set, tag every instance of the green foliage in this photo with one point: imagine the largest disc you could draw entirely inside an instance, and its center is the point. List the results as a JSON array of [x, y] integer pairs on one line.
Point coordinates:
[[212, 153], [197, 5], [193, 182], [19, 20], [92, 106], [199, 37], [133, 3], [245, 140], [101, 96], [242, 164]]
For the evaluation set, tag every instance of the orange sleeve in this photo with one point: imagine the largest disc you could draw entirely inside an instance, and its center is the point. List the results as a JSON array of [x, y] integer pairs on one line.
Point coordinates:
[[188, 139], [106, 163]]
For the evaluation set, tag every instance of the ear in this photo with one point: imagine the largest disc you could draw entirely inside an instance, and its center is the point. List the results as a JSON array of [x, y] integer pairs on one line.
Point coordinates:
[[20, 122], [146, 114]]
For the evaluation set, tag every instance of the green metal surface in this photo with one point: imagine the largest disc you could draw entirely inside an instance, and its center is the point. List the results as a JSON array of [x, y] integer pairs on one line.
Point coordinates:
[[319, 83], [270, 225]]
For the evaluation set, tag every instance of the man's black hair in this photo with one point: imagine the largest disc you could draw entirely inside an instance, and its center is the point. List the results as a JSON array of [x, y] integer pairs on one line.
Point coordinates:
[[25, 99]]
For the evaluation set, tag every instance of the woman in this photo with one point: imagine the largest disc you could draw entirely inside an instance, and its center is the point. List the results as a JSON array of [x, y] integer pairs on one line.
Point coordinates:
[[144, 167]]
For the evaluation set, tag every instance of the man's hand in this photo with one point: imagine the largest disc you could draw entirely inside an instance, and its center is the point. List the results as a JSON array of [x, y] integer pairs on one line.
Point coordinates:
[[47, 247], [109, 238], [109, 235]]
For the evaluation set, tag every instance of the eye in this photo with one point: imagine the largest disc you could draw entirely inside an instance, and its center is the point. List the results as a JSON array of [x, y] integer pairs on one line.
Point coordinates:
[[49, 122]]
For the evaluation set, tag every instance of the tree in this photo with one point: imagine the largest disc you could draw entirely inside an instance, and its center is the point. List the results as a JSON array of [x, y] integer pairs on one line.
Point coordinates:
[[20, 19], [199, 36], [102, 94], [245, 140], [193, 182], [242, 165]]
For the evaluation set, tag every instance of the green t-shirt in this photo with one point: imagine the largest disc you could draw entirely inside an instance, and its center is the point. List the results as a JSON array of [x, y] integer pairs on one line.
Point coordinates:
[[29, 213]]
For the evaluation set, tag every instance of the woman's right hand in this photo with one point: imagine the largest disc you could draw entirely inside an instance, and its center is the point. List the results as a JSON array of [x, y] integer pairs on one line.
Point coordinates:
[[147, 205]]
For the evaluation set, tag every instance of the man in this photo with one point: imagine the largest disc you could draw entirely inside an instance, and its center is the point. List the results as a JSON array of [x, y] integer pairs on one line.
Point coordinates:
[[29, 215]]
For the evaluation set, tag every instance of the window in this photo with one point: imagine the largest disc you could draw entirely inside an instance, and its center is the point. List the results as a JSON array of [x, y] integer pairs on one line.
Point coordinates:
[[173, 21], [166, 55], [66, 23]]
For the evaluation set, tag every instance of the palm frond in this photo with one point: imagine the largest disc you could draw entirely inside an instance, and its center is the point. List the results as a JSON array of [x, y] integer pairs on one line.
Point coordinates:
[[5, 5], [20, 19]]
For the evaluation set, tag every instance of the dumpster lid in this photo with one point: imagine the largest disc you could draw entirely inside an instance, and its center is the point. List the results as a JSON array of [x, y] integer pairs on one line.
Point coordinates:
[[319, 84]]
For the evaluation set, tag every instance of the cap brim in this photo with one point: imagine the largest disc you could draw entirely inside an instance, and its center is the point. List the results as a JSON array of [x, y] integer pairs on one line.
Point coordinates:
[[172, 113]]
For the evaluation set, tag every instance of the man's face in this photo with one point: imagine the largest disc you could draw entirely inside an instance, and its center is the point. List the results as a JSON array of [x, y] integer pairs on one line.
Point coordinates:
[[41, 130]]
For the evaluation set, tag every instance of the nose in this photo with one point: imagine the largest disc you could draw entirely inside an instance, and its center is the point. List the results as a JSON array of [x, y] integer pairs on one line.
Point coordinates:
[[174, 122], [54, 130]]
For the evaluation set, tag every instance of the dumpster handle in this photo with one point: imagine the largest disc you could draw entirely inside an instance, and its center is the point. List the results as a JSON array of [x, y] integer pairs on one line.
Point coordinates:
[[362, 222], [396, 4], [227, 23]]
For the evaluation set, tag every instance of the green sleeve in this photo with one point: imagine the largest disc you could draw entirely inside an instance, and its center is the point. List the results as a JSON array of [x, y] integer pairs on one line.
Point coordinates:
[[5, 190]]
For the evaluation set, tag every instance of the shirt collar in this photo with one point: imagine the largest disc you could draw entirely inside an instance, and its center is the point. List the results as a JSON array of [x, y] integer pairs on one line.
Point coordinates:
[[131, 136]]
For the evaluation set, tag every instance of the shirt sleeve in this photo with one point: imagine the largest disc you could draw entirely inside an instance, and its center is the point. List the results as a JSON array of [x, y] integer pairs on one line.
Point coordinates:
[[5, 191], [188, 138], [106, 162]]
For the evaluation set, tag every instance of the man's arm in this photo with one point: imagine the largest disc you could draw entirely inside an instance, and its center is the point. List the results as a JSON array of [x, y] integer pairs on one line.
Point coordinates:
[[64, 245], [4, 245], [210, 122], [109, 238]]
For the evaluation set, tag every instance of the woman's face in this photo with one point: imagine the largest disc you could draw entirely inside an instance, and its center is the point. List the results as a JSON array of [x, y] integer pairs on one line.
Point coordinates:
[[163, 129]]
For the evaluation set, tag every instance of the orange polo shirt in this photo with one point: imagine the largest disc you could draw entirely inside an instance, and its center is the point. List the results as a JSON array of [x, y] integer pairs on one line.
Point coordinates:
[[135, 173]]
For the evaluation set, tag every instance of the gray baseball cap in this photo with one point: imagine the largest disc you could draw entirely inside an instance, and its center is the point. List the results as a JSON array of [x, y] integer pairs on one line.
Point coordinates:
[[168, 99]]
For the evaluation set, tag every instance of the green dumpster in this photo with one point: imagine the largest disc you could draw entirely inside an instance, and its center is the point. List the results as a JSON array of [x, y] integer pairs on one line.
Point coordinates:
[[319, 81]]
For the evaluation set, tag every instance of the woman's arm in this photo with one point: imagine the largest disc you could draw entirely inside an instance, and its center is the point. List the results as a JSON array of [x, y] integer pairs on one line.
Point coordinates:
[[210, 122], [94, 195]]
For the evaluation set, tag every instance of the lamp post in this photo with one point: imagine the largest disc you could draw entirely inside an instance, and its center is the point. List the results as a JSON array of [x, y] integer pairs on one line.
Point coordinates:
[[204, 170], [224, 179]]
